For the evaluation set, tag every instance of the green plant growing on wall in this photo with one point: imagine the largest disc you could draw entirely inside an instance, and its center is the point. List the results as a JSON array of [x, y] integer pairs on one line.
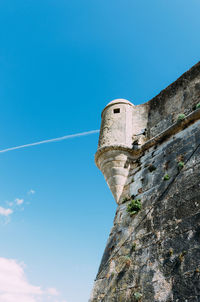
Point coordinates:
[[198, 106], [181, 117], [166, 177], [137, 296], [134, 206], [181, 164]]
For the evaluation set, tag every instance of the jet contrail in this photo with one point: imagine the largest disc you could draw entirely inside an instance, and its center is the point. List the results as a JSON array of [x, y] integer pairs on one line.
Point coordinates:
[[50, 140]]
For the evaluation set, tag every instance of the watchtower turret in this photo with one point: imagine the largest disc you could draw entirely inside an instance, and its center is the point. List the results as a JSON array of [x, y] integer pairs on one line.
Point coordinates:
[[115, 142], [122, 129], [116, 124]]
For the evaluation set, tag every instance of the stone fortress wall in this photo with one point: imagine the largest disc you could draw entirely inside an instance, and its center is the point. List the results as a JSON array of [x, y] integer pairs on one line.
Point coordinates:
[[150, 154]]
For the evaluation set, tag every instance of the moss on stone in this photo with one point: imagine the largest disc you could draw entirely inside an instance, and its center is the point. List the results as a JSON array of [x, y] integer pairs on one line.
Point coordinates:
[[181, 117], [181, 164], [137, 296], [198, 106], [166, 177]]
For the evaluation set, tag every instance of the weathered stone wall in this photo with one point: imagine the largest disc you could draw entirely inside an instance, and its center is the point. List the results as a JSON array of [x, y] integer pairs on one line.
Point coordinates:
[[155, 254], [180, 97]]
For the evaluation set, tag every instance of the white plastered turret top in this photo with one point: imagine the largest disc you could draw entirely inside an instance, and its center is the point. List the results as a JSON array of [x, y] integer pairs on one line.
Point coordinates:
[[117, 101]]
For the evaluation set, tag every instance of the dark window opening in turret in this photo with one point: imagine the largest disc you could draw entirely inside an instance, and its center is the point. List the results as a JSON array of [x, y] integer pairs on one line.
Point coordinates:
[[117, 110]]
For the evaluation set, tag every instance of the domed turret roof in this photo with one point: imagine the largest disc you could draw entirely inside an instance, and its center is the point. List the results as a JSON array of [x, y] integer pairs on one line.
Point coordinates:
[[118, 101]]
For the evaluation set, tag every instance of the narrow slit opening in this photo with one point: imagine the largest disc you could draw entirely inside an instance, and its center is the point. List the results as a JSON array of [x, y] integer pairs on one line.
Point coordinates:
[[117, 110]]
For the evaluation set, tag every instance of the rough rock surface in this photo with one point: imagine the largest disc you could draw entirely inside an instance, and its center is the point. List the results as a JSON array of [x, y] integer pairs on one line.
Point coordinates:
[[155, 254]]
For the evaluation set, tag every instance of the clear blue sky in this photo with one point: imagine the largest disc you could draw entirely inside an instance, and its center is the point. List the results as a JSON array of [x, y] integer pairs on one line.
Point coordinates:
[[61, 62]]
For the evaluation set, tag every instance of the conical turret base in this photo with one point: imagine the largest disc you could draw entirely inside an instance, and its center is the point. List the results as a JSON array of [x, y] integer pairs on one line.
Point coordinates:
[[115, 166]]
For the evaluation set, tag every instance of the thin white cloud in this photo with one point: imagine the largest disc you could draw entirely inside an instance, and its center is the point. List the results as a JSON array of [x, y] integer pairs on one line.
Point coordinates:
[[5, 212], [19, 201], [15, 287], [12, 207]]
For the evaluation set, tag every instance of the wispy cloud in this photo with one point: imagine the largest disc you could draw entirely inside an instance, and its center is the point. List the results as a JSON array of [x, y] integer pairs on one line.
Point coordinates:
[[14, 285], [12, 207], [5, 212], [19, 201], [31, 192], [57, 139]]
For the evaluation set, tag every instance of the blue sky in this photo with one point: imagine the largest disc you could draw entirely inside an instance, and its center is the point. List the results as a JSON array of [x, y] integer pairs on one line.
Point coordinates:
[[61, 62]]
